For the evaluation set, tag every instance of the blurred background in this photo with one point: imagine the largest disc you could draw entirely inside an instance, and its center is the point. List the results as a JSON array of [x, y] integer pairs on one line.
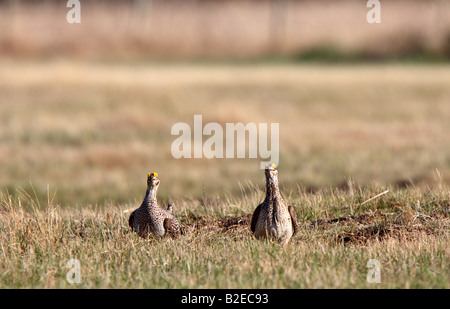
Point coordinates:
[[86, 110]]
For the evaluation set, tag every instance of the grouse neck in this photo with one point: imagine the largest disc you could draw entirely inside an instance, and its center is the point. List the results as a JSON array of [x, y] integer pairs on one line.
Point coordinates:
[[151, 196], [272, 190]]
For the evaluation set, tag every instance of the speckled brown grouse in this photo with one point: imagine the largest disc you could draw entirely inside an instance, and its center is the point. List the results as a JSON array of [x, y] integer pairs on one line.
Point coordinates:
[[150, 219], [273, 218]]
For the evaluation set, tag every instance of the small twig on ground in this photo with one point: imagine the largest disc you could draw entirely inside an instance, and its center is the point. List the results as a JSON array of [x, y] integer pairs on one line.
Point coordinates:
[[376, 196]]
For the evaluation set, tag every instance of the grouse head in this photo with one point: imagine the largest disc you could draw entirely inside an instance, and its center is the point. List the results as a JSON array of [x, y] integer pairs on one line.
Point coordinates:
[[271, 174], [152, 180]]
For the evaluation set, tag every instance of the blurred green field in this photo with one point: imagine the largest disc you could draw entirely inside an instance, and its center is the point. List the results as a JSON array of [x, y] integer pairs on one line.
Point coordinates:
[[90, 132]]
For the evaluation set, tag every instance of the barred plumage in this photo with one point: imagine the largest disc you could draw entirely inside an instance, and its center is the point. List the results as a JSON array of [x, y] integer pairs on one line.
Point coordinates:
[[273, 218], [150, 219]]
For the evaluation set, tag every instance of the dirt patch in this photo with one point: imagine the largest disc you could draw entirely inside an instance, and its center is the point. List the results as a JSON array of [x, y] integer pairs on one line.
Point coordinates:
[[403, 224], [360, 218], [364, 233], [201, 223], [235, 222]]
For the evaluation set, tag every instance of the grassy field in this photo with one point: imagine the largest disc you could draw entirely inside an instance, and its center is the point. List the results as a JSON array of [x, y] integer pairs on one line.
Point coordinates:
[[78, 139], [407, 231], [86, 111], [91, 132]]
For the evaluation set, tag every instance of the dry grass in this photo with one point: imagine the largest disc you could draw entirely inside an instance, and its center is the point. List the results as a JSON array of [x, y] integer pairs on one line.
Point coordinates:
[[93, 131], [77, 139], [407, 231]]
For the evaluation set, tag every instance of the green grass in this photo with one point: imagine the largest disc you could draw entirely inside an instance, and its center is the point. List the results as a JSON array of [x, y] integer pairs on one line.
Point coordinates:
[[406, 230]]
